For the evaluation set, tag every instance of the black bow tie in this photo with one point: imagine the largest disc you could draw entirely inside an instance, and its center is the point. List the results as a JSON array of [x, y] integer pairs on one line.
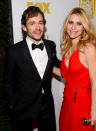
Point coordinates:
[[40, 46]]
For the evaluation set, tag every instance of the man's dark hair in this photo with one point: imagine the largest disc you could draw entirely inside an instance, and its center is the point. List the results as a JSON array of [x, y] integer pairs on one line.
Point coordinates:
[[30, 12]]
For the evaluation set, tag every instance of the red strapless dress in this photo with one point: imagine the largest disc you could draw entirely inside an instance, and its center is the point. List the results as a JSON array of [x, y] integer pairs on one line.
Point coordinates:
[[77, 95]]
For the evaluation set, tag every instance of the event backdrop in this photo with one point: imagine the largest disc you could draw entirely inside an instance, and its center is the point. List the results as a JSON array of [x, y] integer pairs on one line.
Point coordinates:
[[55, 12]]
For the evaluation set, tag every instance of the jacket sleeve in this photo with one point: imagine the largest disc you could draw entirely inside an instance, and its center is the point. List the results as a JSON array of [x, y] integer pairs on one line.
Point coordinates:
[[56, 61]]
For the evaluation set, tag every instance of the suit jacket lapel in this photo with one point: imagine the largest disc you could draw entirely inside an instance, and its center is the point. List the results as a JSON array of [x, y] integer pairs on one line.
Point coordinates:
[[49, 56], [28, 57]]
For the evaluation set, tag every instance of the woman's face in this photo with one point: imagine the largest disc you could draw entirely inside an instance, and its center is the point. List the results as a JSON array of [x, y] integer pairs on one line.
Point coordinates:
[[74, 27]]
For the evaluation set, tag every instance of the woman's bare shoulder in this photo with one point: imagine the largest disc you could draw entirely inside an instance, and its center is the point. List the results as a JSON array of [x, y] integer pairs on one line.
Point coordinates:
[[90, 49]]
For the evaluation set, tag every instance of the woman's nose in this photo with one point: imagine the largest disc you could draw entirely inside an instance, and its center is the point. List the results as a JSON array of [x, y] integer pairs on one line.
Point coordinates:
[[73, 26]]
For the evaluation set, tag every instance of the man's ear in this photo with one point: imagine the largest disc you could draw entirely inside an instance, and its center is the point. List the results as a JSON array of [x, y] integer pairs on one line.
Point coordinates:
[[24, 28]]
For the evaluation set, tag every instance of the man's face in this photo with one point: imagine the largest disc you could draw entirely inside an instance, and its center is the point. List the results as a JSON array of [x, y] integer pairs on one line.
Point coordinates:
[[34, 28]]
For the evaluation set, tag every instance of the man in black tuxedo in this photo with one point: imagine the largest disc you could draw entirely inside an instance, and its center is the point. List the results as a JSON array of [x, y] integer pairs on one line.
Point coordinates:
[[29, 67]]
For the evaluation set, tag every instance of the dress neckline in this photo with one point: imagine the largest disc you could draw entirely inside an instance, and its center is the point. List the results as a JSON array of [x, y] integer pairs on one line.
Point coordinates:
[[71, 58]]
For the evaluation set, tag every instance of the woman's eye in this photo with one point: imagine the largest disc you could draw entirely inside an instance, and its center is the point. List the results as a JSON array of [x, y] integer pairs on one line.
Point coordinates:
[[79, 23], [70, 22]]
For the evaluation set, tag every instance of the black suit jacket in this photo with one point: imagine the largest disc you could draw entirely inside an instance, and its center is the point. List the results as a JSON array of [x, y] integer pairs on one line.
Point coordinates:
[[23, 84]]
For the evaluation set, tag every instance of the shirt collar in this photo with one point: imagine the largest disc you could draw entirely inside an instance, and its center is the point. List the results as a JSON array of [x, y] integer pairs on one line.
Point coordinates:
[[29, 42]]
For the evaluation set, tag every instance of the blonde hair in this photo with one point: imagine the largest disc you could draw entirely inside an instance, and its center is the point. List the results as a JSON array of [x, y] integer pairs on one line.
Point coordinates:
[[88, 35]]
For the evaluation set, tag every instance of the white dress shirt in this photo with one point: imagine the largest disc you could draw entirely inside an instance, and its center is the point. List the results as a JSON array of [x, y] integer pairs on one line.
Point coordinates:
[[39, 57]]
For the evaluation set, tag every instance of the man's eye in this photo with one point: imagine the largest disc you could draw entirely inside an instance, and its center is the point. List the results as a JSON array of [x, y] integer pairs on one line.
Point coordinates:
[[41, 23], [32, 23]]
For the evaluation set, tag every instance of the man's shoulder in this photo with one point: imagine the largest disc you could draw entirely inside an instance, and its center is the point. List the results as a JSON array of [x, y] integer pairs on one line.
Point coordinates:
[[17, 45], [50, 43]]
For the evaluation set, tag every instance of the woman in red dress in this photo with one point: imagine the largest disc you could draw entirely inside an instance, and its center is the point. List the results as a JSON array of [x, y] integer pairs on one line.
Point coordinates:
[[78, 67]]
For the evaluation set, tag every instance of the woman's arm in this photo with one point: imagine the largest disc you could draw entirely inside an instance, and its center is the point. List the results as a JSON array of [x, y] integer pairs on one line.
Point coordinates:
[[90, 53], [56, 71]]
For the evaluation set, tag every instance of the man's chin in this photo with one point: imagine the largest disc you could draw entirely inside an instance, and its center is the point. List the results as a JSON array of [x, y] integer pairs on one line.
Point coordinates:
[[37, 39]]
